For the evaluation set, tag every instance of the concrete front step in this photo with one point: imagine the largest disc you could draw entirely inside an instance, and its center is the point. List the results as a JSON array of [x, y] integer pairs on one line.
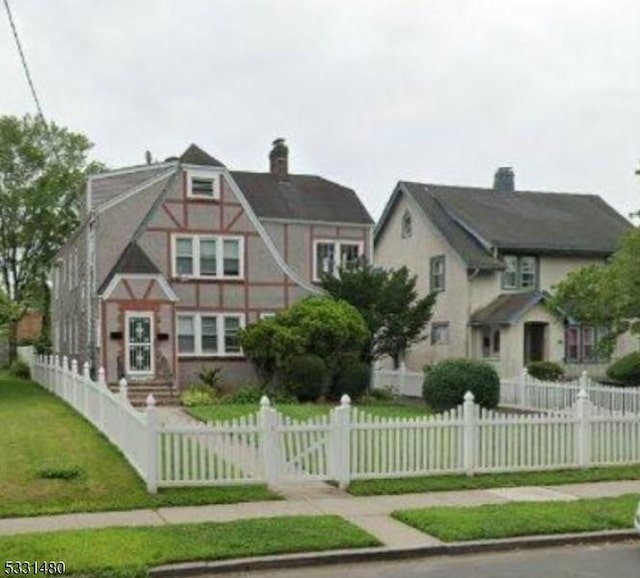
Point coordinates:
[[137, 393]]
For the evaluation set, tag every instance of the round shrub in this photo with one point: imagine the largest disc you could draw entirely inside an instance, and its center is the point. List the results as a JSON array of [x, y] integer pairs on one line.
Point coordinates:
[[305, 377], [545, 370], [626, 370], [198, 395], [353, 379], [20, 368], [446, 384]]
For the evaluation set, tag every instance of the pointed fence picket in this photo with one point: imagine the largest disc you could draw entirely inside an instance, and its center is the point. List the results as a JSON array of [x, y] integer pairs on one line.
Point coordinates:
[[582, 425]]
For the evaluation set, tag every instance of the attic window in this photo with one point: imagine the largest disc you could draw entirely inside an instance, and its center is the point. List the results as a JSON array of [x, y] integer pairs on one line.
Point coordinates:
[[406, 225], [203, 185]]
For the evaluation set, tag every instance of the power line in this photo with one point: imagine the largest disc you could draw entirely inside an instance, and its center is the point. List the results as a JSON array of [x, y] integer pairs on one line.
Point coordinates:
[[25, 66]]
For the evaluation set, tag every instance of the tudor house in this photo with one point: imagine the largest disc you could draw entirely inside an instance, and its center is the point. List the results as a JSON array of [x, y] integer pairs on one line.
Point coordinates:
[[493, 255], [171, 259]]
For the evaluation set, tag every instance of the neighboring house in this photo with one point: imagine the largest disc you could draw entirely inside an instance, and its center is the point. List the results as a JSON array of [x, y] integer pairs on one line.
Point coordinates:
[[493, 256], [172, 259], [29, 326]]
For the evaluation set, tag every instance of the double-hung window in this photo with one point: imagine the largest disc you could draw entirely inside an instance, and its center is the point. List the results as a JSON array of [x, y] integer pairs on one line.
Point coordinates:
[[329, 256], [208, 257], [520, 272], [437, 273], [583, 344], [203, 334]]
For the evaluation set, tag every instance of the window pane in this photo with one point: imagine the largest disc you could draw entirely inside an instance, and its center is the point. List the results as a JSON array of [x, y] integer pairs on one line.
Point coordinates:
[[496, 342], [231, 328], [406, 226], [349, 254], [571, 339], [208, 257], [510, 274], [186, 334], [325, 258], [209, 330], [184, 256], [587, 344], [437, 273], [527, 272], [486, 343], [231, 257]]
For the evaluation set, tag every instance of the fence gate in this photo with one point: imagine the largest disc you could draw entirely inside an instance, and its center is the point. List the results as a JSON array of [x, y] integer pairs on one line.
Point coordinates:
[[303, 448]]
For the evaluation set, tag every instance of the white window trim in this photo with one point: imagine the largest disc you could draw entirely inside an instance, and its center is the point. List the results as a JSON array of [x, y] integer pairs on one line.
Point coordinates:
[[127, 316], [337, 246], [197, 328], [203, 174], [196, 257], [266, 315]]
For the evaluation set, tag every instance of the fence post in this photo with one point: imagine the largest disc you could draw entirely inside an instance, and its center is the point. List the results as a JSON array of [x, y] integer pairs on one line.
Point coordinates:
[[270, 453], [583, 435], [102, 385], [76, 383], [342, 437], [522, 387], [64, 376], [122, 391], [86, 378], [152, 445], [469, 417]]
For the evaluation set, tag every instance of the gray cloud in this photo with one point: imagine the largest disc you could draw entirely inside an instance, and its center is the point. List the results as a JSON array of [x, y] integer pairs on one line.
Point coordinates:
[[366, 92]]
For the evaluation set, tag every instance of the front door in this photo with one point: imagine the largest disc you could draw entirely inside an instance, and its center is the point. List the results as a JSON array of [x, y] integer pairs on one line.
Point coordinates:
[[139, 343], [534, 342]]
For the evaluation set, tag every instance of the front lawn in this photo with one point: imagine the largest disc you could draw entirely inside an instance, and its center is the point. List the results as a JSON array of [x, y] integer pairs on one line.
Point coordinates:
[[132, 551], [40, 435], [302, 411], [486, 481], [522, 519]]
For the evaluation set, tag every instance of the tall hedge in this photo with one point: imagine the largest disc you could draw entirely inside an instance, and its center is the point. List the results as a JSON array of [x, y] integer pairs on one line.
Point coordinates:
[[447, 382]]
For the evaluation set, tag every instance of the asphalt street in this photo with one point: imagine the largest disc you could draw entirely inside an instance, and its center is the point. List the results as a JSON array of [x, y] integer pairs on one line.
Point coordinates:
[[600, 561]]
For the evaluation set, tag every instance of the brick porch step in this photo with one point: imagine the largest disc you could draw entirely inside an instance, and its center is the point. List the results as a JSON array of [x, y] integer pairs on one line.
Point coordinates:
[[138, 393]]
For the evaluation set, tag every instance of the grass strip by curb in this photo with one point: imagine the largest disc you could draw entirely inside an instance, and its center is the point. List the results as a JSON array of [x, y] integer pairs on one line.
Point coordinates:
[[132, 551], [485, 481], [457, 524]]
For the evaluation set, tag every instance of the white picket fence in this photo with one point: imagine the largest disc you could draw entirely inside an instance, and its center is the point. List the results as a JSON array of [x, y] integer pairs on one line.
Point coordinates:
[[524, 391], [348, 444]]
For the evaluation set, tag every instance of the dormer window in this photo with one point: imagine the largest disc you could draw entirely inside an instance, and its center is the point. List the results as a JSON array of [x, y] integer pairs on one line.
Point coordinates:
[[203, 185], [406, 225], [520, 272]]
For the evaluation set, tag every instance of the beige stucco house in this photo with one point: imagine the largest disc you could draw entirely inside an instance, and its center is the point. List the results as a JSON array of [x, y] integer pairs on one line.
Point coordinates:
[[171, 259], [493, 255]]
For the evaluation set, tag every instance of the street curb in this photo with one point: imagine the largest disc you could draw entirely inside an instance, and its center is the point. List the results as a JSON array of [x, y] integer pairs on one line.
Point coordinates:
[[307, 560]]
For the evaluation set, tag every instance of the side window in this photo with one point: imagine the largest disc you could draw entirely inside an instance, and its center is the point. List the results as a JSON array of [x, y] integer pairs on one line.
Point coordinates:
[[437, 273], [406, 230]]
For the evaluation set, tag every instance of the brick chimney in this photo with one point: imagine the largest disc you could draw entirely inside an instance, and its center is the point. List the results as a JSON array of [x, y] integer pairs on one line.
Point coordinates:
[[504, 181], [279, 159]]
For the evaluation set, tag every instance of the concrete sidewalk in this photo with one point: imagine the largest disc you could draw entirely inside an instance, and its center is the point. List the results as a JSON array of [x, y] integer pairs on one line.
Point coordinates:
[[370, 513]]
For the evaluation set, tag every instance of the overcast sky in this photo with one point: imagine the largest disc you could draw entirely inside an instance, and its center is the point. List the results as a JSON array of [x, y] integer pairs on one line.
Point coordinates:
[[366, 92]]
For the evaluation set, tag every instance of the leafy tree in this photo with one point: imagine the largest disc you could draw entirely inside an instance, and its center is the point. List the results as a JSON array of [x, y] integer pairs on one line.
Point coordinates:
[[41, 168], [269, 345], [388, 301], [327, 328], [605, 295]]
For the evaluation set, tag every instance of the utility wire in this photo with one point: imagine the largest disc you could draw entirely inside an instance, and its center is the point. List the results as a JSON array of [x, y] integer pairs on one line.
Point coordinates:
[[25, 66]]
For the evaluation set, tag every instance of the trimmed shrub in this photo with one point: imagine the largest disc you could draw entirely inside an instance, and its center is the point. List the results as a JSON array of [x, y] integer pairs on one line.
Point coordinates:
[[20, 368], [545, 370], [446, 384], [251, 394], [626, 370], [199, 395], [305, 377], [353, 379]]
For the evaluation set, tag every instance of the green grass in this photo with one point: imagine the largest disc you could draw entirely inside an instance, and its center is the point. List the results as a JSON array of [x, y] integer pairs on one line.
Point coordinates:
[[131, 551], [39, 433], [484, 481], [522, 519], [301, 411]]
